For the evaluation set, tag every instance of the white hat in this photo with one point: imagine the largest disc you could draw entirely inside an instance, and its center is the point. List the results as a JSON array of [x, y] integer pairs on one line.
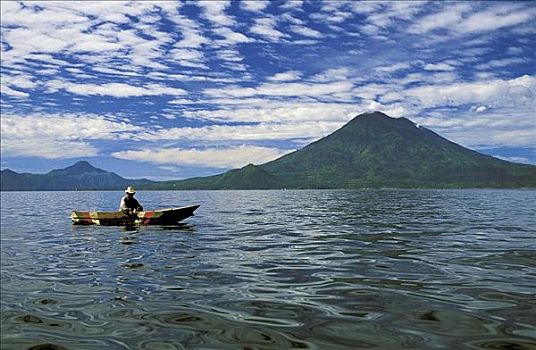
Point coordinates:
[[130, 189]]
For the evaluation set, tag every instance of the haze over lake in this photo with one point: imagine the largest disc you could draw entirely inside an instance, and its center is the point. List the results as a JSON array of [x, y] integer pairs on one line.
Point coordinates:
[[380, 269]]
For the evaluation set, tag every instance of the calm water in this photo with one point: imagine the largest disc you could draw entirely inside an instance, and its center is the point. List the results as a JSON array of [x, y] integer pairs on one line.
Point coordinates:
[[273, 270]]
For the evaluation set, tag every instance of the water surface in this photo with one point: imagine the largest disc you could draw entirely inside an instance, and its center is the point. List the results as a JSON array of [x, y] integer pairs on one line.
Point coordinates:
[[371, 269]]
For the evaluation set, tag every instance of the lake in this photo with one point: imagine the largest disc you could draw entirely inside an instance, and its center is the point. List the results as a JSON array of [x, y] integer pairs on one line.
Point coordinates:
[[356, 269]]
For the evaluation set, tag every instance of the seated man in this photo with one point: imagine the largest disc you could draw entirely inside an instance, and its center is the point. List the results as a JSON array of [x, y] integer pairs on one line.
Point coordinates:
[[130, 205]]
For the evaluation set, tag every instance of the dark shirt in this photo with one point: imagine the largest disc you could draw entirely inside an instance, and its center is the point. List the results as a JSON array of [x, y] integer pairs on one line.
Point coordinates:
[[130, 203]]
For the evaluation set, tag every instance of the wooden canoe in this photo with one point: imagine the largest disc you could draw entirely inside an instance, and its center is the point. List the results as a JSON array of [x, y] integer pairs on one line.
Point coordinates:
[[169, 216]]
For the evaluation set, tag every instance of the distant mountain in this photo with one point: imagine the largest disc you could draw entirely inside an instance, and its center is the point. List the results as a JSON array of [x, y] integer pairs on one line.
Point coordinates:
[[80, 176], [373, 150]]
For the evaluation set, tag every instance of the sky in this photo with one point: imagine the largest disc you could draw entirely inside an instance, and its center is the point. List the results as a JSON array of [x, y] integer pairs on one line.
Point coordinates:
[[172, 90]]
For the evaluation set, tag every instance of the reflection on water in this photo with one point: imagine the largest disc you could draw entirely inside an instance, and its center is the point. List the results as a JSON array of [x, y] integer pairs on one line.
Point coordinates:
[[385, 269]]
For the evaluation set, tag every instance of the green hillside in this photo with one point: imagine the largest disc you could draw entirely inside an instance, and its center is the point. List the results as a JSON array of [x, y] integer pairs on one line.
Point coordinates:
[[374, 150], [250, 177]]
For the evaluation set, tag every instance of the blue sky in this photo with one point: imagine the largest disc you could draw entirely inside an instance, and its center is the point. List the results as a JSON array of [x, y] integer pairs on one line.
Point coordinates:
[[171, 90]]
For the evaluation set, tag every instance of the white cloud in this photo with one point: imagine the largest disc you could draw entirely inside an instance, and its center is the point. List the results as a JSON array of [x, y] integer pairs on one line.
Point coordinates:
[[305, 31], [263, 131], [231, 37], [438, 67], [113, 89], [112, 71], [188, 57], [216, 78], [87, 31], [332, 74], [365, 7], [48, 149], [286, 76], [393, 67], [498, 63], [461, 18], [279, 112], [497, 17], [229, 55], [6, 90], [58, 136], [372, 91], [265, 27], [499, 127], [292, 4], [283, 89], [254, 6], [333, 12], [215, 11], [192, 38], [515, 50], [181, 101], [190, 31], [234, 157], [445, 18], [495, 92]]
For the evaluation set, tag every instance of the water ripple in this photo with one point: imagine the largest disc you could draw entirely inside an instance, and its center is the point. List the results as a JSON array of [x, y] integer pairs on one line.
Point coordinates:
[[384, 269]]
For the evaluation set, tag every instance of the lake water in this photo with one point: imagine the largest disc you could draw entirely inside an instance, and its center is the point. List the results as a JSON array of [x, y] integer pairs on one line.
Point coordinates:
[[366, 269]]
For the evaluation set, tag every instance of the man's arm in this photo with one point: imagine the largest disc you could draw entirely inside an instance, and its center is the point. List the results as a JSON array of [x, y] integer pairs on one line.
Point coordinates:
[[122, 205]]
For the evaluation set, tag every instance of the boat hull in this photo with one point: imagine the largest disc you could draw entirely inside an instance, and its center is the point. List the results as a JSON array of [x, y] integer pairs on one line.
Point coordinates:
[[169, 216]]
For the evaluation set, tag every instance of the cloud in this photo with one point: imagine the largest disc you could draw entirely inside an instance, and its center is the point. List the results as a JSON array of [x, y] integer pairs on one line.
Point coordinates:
[[233, 157], [495, 92], [286, 76], [305, 31], [292, 4], [265, 27], [392, 68], [438, 67], [333, 12], [499, 63], [331, 75], [515, 50], [254, 6], [264, 131], [89, 31], [391, 13], [191, 33], [286, 71], [365, 7], [461, 18], [231, 37], [229, 55], [444, 18], [113, 89], [58, 136], [497, 127], [497, 17], [205, 77], [283, 89], [188, 57], [214, 11], [6, 90], [49, 149]]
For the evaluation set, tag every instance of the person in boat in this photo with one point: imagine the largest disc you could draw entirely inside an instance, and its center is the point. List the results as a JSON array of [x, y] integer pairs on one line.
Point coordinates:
[[130, 205]]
